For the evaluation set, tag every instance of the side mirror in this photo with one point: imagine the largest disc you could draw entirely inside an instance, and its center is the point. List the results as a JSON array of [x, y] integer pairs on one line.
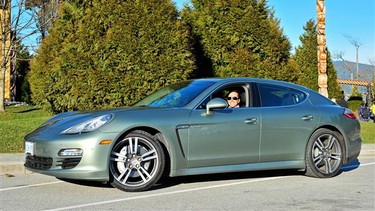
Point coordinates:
[[214, 104]]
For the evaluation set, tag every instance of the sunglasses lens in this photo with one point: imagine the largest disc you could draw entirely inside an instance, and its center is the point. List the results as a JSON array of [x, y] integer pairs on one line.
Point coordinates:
[[234, 98]]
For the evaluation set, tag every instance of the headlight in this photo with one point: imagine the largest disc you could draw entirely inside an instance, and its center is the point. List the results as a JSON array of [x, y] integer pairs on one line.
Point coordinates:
[[89, 125]]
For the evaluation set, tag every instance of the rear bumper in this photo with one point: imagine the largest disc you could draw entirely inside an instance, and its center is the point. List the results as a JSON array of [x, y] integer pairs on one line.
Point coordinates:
[[353, 150]]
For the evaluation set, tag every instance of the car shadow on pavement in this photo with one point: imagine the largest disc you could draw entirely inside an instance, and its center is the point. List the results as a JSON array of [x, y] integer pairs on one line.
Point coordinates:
[[350, 166], [173, 181], [88, 183], [166, 182]]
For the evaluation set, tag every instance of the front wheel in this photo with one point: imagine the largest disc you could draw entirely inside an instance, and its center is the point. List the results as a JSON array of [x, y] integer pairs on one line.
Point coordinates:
[[324, 154], [136, 162]]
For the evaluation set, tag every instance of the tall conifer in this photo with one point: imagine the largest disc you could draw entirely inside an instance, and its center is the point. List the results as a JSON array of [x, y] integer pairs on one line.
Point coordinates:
[[306, 59], [107, 53], [239, 38]]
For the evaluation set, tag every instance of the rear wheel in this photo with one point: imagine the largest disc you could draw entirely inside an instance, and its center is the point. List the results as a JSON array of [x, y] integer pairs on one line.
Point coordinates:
[[136, 162], [324, 154]]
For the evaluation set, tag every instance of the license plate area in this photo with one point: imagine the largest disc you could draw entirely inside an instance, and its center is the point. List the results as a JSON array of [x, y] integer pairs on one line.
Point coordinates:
[[29, 148]]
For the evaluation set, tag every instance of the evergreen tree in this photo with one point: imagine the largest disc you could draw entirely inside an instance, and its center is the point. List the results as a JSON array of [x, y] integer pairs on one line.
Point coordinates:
[[107, 53], [238, 38], [334, 89], [307, 63], [46, 76], [306, 57]]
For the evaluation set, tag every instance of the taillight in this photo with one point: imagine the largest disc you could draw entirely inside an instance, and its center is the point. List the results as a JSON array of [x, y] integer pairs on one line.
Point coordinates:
[[348, 113]]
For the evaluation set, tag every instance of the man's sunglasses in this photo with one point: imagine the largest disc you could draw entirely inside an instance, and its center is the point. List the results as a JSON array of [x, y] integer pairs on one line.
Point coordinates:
[[232, 98]]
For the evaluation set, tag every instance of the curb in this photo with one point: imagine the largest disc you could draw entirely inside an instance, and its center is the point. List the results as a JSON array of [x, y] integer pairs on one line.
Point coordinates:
[[12, 163], [13, 169]]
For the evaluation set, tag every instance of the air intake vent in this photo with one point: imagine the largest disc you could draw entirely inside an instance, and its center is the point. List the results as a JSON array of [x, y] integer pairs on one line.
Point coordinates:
[[42, 163], [68, 163]]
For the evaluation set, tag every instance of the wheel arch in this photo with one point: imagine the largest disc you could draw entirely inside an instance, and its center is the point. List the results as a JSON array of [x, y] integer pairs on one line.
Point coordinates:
[[342, 138], [159, 137], [322, 158]]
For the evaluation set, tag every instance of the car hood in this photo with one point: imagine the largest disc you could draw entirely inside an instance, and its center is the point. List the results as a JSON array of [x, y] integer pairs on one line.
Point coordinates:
[[63, 121]]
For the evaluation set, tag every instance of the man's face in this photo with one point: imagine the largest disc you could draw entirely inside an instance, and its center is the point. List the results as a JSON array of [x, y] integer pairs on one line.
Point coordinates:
[[233, 99]]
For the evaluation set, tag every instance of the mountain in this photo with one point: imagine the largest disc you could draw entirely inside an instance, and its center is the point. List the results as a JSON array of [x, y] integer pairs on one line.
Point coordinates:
[[365, 73], [343, 69]]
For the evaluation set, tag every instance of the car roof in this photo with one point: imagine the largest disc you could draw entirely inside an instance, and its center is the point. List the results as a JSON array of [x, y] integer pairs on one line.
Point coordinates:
[[255, 80]]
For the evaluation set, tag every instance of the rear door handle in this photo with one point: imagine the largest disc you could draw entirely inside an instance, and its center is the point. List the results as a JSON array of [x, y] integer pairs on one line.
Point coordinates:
[[253, 121], [307, 118]]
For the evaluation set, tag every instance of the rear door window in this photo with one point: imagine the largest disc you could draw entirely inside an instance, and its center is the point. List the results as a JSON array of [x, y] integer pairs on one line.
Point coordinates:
[[274, 95]]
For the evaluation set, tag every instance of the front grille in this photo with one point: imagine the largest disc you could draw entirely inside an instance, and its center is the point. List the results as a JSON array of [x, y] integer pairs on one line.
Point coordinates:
[[68, 163], [42, 163]]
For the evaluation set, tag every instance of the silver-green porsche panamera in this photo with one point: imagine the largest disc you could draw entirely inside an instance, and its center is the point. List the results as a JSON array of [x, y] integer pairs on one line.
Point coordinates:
[[187, 128]]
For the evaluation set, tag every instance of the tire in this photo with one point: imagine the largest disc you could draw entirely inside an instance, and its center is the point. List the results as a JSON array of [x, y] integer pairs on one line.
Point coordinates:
[[136, 162], [324, 154]]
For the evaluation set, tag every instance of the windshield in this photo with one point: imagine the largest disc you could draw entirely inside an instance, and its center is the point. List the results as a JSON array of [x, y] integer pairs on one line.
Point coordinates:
[[175, 95]]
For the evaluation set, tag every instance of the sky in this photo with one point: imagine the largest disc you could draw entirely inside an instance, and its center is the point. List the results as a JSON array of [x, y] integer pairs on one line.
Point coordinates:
[[344, 18]]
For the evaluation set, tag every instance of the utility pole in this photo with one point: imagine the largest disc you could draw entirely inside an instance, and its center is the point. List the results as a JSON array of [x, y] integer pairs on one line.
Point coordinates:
[[322, 50], [356, 43]]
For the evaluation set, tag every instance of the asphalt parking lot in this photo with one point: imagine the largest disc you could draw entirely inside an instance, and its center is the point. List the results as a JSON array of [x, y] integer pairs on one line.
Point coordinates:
[[353, 189]]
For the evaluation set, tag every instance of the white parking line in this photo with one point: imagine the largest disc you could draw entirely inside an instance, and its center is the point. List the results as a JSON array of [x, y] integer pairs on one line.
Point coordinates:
[[28, 186], [367, 164], [163, 194]]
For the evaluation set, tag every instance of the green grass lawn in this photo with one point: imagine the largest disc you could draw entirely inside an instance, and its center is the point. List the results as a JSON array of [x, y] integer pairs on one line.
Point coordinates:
[[368, 132], [16, 122]]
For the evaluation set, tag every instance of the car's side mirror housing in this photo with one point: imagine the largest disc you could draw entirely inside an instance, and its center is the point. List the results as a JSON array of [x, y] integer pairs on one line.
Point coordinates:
[[214, 104]]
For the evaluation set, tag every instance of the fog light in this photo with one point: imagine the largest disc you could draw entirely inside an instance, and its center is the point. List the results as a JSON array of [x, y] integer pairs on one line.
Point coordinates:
[[70, 152]]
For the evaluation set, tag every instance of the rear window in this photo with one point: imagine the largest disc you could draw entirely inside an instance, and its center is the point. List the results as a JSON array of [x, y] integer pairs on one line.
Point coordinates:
[[274, 95]]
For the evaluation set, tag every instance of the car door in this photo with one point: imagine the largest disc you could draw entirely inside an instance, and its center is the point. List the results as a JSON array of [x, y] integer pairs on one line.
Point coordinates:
[[227, 136], [287, 122]]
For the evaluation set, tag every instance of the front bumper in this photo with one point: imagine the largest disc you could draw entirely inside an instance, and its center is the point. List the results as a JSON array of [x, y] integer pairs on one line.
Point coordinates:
[[91, 165]]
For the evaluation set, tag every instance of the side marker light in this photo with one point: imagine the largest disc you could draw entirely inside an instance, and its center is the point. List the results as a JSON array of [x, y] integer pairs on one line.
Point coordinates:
[[104, 142]]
